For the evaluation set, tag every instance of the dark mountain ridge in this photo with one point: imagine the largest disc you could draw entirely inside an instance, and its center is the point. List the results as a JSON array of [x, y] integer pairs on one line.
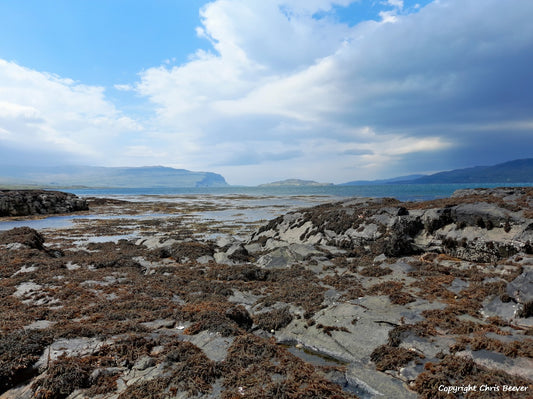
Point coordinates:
[[517, 171]]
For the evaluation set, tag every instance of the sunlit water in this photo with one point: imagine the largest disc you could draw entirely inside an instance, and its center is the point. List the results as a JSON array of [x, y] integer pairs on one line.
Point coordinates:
[[246, 204]]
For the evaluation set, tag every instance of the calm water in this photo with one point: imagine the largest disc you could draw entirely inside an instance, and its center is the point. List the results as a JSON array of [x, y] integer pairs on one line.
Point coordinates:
[[247, 204], [403, 192]]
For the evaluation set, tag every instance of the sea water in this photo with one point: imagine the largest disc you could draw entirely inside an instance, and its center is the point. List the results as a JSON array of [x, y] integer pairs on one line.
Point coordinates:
[[248, 204], [402, 192]]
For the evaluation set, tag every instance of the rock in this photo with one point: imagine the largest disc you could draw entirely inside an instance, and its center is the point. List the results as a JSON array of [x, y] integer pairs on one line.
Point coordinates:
[[225, 241], [253, 248], [144, 362], [187, 251], [277, 258], [522, 367], [24, 236], [158, 324], [75, 347], [156, 243], [304, 251], [367, 383], [39, 325], [521, 290], [238, 253], [21, 392], [495, 307], [380, 259], [240, 316], [214, 346], [205, 259], [286, 255], [39, 202], [458, 285], [484, 231], [222, 258]]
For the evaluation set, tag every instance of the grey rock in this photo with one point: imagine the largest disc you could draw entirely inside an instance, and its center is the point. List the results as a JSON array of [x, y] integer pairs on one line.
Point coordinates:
[[278, 258], [39, 325], [222, 258], [20, 392], [458, 285], [495, 307], [472, 214], [246, 299], [214, 345], [380, 258], [368, 383], [303, 251], [158, 324], [205, 259], [253, 248], [521, 288], [156, 242], [144, 362], [225, 241], [78, 347], [522, 367]]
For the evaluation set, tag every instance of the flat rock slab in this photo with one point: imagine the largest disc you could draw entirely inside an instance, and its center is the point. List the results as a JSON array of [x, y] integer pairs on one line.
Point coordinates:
[[214, 345], [77, 347], [369, 384]]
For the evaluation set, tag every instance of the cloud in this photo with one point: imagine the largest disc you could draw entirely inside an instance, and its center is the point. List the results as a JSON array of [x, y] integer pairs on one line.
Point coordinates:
[[48, 114], [395, 3], [282, 76], [289, 91]]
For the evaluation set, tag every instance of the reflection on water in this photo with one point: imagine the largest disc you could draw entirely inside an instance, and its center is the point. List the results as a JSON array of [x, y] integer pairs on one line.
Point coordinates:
[[99, 239], [229, 208], [61, 222], [315, 358]]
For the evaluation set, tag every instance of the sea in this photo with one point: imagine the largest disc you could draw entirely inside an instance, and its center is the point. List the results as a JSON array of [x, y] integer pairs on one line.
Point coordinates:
[[402, 192], [237, 204]]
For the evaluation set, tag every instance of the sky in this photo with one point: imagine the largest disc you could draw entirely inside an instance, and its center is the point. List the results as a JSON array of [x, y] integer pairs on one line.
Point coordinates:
[[266, 90]]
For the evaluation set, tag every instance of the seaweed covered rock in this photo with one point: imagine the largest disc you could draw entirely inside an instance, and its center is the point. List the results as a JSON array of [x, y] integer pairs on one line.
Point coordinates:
[[39, 202], [22, 236], [478, 226]]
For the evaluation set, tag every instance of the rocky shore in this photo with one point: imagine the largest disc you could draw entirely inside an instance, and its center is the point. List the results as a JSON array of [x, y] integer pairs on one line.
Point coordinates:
[[359, 298], [38, 202]]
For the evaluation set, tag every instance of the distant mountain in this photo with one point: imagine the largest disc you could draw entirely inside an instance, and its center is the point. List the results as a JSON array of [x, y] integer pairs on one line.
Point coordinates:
[[102, 177], [518, 171], [382, 181], [295, 183]]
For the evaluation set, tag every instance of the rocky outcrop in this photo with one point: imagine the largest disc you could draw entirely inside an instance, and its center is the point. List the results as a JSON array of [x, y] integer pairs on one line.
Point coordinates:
[[473, 225], [39, 202]]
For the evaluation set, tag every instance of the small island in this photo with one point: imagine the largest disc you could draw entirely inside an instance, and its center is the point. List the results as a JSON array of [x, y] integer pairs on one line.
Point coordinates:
[[295, 183]]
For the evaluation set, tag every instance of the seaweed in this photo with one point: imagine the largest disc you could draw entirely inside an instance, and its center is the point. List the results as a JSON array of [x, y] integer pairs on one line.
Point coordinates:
[[387, 357], [63, 376], [460, 372], [258, 368], [18, 352], [274, 319]]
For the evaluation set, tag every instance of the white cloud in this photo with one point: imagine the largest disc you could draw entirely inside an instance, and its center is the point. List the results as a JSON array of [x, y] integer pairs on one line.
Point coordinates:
[[281, 77], [45, 112], [396, 3], [284, 93]]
